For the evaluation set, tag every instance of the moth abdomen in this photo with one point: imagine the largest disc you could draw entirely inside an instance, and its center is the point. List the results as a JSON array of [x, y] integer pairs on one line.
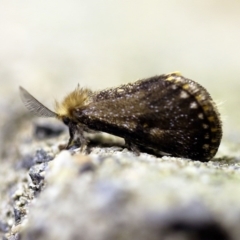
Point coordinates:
[[166, 113]]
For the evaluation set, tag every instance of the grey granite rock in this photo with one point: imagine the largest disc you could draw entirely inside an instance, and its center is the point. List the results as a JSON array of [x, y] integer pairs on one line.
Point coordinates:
[[111, 194]]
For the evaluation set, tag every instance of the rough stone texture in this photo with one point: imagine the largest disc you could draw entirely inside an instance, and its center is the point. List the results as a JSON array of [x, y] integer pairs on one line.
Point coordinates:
[[125, 197], [111, 193]]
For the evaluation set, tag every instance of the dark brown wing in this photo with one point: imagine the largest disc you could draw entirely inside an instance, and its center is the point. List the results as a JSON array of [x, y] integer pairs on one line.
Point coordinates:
[[168, 113]]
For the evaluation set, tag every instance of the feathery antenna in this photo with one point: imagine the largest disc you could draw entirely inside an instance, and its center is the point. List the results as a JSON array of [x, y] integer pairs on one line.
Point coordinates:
[[34, 106]]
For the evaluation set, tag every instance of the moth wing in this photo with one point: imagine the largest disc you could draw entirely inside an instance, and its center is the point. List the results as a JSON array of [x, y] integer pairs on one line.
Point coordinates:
[[161, 114], [153, 104]]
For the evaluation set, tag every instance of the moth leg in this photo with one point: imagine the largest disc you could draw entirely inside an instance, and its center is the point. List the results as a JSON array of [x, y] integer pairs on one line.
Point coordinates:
[[77, 138], [132, 147], [81, 139], [71, 137]]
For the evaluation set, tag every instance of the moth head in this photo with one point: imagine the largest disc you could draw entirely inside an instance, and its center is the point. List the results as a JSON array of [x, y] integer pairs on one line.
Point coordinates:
[[64, 110], [76, 100]]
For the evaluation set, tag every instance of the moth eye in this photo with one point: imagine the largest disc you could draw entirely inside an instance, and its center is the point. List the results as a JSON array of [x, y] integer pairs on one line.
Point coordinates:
[[66, 120]]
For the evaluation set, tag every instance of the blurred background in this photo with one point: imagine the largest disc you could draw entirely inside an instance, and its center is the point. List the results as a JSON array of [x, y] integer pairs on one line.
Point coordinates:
[[49, 47]]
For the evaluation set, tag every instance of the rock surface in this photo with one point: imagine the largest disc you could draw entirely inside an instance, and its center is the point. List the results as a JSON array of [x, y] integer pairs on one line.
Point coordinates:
[[110, 193]]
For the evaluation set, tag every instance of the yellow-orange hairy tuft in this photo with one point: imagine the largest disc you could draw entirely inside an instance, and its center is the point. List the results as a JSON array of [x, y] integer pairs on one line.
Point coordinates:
[[76, 99]]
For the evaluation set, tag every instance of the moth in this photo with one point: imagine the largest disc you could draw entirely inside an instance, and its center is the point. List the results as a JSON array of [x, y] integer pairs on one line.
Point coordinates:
[[167, 113]]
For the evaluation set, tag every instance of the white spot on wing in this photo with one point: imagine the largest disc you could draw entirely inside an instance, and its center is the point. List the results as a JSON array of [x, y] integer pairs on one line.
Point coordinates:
[[206, 146], [193, 105], [183, 94]]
